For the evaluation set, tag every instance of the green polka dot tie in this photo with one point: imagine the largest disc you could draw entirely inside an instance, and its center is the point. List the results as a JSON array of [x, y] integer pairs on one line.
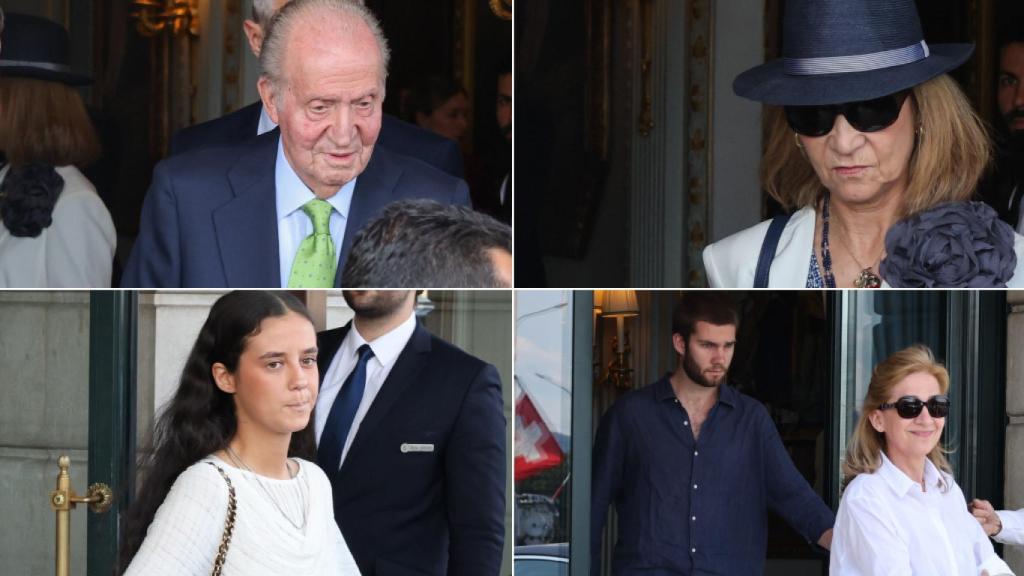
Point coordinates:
[[315, 261]]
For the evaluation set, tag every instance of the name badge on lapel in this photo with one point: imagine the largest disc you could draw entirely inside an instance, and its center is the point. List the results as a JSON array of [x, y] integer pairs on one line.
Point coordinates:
[[406, 448]]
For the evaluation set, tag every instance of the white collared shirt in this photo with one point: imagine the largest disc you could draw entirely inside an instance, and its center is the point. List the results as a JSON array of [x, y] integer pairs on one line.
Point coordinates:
[[293, 225], [386, 350], [888, 525], [266, 124], [1013, 527]]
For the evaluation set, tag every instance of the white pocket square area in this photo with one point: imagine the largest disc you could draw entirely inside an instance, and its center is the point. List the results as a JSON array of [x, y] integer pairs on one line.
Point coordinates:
[[406, 447]]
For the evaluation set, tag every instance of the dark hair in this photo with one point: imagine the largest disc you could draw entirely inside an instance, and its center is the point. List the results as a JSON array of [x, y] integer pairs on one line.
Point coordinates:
[[201, 419], [712, 307], [424, 244], [504, 67], [430, 93], [1011, 28]]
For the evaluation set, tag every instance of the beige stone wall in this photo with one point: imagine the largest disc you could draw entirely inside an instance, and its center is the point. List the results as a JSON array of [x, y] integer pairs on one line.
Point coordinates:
[[1014, 495], [44, 413]]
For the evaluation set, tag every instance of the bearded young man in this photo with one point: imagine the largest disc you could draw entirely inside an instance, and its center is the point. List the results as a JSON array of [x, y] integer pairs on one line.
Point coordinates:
[[693, 466]]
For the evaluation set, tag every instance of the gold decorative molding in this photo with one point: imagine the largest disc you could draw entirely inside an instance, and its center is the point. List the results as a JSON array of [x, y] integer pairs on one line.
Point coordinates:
[[177, 16], [502, 9]]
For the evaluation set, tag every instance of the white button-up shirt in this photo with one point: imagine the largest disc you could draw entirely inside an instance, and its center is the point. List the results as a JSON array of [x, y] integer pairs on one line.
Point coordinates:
[[888, 525], [1013, 527], [386, 350]]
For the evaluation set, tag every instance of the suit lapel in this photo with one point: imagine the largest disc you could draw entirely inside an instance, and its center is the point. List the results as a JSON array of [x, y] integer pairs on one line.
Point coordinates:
[[246, 227], [406, 371], [374, 190]]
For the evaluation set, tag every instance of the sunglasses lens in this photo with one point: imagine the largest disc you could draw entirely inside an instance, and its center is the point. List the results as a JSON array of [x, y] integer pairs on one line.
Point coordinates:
[[938, 407], [865, 116], [909, 408], [875, 115], [811, 120]]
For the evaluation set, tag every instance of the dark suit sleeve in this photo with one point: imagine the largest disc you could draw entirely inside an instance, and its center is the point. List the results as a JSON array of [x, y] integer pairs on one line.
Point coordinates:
[[155, 261], [451, 159], [475, 480], [461, 196], [789, 494], [606, 481]]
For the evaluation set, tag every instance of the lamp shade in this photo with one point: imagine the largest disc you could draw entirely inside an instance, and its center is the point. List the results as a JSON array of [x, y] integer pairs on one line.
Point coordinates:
[[599, 301], [620, 303]]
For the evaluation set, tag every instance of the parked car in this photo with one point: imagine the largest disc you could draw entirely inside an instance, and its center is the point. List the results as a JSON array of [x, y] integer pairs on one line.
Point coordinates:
[[542, 560]]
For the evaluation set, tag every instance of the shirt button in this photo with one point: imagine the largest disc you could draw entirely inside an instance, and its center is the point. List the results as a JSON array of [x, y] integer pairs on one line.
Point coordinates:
[[686, 423], [693, 518], [694, 486], [693, 550], [694, 452]]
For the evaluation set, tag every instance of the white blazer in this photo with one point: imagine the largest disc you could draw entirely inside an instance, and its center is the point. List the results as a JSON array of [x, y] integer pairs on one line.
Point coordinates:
[[75, 251], [732, 261]]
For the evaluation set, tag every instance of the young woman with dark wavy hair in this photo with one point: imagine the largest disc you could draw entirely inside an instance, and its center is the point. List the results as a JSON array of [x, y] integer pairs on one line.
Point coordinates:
[[222, 494]]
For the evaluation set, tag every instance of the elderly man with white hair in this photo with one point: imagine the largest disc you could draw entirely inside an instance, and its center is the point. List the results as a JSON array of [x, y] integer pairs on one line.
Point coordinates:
[[282, 209]]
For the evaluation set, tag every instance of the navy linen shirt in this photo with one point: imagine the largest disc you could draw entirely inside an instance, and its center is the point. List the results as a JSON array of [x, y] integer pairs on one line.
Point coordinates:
[[689, 507]]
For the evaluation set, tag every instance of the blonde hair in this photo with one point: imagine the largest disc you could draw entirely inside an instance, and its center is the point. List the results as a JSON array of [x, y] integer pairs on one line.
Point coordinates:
[[863, 455], [951, 152], [46, 122]]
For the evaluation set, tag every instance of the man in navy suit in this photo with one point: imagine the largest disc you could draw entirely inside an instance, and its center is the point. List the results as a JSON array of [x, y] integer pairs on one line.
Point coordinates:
[[282, 209], [252, 120], [418, 466]]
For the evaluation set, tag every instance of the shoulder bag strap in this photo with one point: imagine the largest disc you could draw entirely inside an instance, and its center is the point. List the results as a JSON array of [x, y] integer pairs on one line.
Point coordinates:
[[771, 242], [229, 523]]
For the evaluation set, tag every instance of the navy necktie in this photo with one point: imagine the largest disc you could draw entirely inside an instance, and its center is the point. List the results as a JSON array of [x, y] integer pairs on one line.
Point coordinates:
[[343, 412]]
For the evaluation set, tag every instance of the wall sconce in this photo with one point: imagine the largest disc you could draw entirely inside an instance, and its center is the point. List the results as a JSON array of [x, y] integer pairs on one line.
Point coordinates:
[[502, 9], [620, 304], [155, 16]]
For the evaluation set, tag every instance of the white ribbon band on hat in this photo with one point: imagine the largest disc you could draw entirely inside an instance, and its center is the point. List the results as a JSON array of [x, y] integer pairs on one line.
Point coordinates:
[[857, 62], [31, 64]]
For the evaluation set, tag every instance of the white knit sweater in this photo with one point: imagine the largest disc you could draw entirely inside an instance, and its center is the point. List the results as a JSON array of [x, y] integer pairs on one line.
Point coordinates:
[[186, 531]]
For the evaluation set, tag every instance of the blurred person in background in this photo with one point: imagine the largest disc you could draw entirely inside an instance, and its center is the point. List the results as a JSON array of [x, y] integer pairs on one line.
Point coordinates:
[[55, 230]]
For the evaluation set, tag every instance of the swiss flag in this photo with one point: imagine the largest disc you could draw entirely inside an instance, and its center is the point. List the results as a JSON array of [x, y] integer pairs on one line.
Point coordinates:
[[536, 448]]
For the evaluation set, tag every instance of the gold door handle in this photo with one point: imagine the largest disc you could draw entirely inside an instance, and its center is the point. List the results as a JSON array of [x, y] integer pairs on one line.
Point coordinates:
[[63, 500]]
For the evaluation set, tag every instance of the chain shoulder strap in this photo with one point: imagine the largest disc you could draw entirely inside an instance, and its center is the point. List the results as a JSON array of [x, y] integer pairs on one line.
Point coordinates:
[[229, 523]]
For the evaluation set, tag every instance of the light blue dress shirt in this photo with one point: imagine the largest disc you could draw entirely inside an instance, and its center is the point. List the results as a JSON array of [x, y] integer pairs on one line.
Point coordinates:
[[293, 225]]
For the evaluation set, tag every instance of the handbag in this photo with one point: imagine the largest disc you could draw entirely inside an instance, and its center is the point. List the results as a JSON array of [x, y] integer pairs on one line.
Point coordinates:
[[229, 523]]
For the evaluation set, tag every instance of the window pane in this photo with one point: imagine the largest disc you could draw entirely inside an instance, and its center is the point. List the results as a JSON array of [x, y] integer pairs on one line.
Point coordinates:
[[543, 369]]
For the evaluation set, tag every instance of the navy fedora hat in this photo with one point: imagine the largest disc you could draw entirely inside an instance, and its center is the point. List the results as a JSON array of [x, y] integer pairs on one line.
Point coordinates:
[[34, 47], [837, 51]]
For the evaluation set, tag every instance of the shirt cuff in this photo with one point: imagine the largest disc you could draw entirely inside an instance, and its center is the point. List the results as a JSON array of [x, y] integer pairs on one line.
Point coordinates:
[[1013, 527]]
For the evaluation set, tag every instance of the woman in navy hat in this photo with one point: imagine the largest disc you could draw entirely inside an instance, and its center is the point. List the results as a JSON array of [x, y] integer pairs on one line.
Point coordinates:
[[54, 229], [878, 151]]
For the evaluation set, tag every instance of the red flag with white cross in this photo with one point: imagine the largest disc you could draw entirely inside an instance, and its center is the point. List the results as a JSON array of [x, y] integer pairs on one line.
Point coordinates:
[[536, 447]]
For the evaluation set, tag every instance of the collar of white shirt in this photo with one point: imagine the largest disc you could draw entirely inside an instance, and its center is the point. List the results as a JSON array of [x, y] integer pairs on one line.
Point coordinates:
[[901, 484], [266, 124], [387, 347]]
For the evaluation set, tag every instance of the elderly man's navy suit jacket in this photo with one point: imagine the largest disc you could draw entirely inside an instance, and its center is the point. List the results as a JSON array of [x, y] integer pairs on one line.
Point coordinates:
[[425, 513], [210, 217]]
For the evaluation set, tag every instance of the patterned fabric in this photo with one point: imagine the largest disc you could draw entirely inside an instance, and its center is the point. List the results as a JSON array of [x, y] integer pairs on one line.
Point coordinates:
[[814, 279], [316, 260]]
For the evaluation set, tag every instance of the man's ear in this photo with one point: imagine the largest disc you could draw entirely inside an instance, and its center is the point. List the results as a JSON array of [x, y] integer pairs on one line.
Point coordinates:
[[268, 94], [254, 32], [224, 379], [679, 343]]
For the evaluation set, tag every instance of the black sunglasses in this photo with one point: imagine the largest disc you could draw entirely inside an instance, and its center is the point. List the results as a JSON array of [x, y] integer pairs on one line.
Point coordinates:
[[910, 406], [865, 116]]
